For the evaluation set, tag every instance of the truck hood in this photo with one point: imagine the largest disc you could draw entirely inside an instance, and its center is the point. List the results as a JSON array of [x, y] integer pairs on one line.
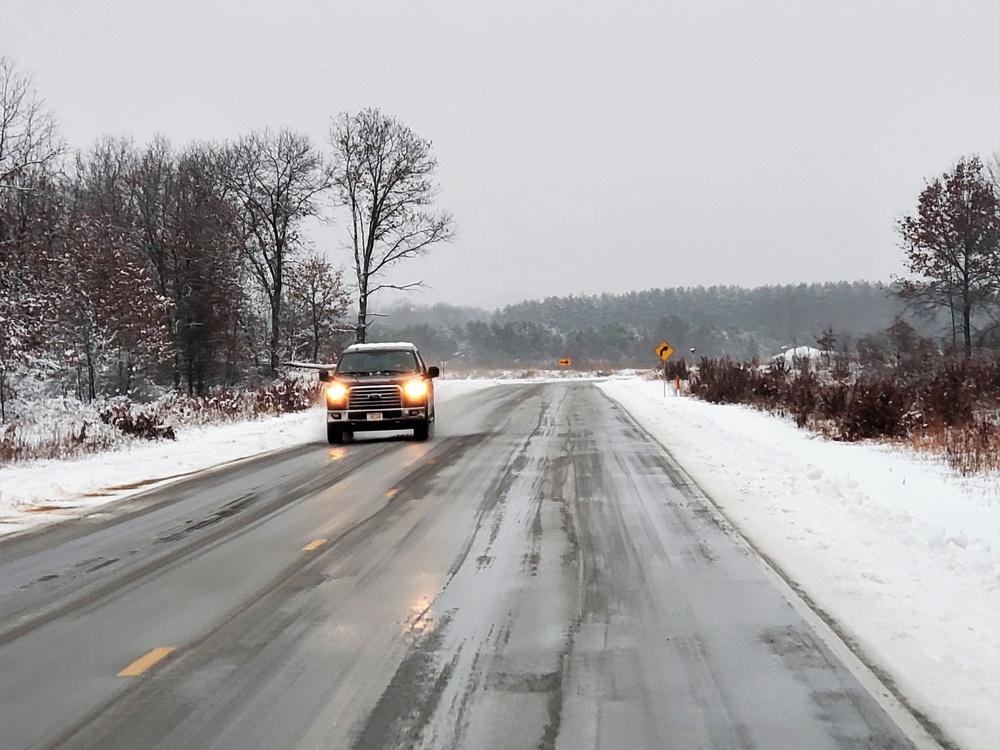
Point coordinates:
[[350, 380]]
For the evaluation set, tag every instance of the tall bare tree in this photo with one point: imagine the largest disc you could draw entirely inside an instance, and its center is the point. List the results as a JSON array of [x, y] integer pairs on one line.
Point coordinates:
[[275, 179], [184, 232], [29, 225], [951, 245], [30, 147], [29, 140], [205, 268], [382, 173]]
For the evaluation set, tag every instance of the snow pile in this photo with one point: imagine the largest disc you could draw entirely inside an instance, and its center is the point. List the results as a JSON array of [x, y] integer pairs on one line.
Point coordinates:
[[797, 354]]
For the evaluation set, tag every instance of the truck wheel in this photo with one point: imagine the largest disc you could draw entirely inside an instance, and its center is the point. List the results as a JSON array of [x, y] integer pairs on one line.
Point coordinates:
[[422, 431], [334, 435]]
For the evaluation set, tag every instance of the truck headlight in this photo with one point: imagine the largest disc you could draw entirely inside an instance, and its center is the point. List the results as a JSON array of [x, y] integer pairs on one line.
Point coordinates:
[[415, 390], [336, 393]]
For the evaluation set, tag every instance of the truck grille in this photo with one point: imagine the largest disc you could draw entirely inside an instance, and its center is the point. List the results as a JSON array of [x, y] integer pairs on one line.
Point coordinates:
[[375, 398]]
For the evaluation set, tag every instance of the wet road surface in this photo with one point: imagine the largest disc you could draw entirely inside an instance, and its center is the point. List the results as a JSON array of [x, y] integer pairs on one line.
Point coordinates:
[[538, 575]]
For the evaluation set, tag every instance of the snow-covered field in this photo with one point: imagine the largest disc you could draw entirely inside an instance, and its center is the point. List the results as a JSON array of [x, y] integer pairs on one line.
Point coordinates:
[[899, 550]]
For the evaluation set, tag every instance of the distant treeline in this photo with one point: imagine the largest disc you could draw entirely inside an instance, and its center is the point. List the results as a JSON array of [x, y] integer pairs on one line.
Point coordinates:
[[720, 321]]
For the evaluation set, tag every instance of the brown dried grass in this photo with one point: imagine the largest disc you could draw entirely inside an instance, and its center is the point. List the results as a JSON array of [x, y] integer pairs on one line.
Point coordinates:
[[951, 411]]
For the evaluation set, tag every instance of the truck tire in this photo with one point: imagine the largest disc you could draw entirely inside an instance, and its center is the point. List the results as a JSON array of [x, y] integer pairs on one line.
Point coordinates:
[[334, 434], [422, 431]]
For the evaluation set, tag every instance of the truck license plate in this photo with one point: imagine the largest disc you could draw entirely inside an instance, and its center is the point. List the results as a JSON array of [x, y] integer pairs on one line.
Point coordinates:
[[374, 416]]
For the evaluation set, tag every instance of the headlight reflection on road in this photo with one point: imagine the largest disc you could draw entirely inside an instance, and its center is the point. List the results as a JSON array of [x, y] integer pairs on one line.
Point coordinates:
[[421, 617], [336, 454]]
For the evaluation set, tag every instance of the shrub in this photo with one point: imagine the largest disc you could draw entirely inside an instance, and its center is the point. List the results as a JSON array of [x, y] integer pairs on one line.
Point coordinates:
[[878, 408], [949, 397], [676, 368], [135, 421], [832, 400], [723, 382], [886, 403], [802, 396]]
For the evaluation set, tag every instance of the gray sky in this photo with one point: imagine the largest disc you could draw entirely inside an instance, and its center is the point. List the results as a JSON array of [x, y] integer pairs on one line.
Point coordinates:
[[584, 147]]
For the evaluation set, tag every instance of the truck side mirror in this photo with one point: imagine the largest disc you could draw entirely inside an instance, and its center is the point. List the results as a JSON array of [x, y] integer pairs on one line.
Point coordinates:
[[433, 372]]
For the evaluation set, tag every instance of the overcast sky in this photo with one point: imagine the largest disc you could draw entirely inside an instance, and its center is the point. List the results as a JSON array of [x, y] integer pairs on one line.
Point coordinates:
[[583, 147]]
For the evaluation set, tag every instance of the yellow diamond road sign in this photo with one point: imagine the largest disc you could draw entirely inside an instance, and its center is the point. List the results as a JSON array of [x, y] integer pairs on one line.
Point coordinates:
[[664, 350]]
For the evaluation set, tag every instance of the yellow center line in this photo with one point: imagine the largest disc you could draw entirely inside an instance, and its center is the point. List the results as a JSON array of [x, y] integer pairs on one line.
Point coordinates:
[[139, 666], [313, 545], [391, 492]]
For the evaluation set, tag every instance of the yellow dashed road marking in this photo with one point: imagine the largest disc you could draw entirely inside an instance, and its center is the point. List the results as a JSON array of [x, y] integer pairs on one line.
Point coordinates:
[[139, 666], [391, 493], [313, 545]]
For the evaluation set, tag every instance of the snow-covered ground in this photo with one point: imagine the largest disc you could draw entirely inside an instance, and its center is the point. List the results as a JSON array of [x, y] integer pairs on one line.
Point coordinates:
[[903, 553]]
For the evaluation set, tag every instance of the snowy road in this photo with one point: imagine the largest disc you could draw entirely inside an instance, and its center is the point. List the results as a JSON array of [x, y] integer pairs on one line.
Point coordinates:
[[538, 575]]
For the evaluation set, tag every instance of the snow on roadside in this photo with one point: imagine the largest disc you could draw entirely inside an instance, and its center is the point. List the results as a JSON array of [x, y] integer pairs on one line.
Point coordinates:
[[39, 492], [901, 551]]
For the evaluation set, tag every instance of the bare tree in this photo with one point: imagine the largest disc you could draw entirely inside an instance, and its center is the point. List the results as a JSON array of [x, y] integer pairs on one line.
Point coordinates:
[[275, 180], [28, 138], [101, 179], [184, 233], [106, 323], [382, 172], [993, 170], [29, 150], [150, 191], [951, 245], [205, 271], [317, 301], [29, 226]]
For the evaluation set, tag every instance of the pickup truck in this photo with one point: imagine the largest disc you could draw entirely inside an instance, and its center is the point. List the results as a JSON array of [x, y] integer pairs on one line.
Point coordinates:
[[379, 387]]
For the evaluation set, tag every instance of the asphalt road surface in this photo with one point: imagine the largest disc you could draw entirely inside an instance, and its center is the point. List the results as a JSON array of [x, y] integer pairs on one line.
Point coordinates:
[[537, 575]]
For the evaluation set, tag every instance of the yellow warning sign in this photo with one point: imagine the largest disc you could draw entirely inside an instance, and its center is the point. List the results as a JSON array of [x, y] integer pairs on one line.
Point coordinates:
[[664, 350]]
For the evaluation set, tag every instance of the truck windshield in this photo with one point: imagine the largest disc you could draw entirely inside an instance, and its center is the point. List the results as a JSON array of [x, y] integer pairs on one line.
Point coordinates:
[[355, 363]]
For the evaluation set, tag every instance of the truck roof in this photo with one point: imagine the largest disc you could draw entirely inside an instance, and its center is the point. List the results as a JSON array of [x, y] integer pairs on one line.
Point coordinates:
[[383, 346]]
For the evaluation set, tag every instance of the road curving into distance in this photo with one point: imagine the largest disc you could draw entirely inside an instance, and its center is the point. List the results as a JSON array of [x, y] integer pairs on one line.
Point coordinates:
[[538, 575]]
